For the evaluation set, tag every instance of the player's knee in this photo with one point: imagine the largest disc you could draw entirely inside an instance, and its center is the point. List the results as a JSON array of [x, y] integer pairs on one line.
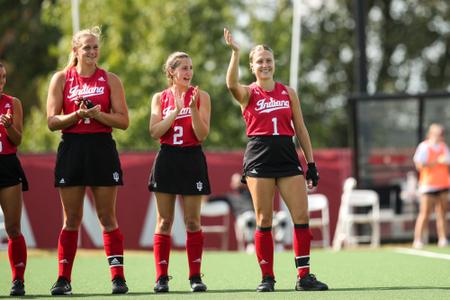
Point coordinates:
[[300, 218], [72, 221], [107, 219], [192, 225], [13, 230], [164, 225], [264, 221]]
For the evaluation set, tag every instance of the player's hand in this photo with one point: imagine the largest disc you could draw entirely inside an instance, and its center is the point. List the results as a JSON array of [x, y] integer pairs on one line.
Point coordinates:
[[179, 100], [6, 119], [229, 40], [312, 175], [94, 111], [194, 98]]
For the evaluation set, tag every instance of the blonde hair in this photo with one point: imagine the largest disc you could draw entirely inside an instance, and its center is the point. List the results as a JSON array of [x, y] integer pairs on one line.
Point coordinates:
[[255, 49], [76, 43], [172, 62]]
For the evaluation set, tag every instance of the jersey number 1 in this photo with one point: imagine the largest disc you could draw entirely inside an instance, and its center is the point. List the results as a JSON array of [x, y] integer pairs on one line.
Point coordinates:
[[275, 126], [178, 135]]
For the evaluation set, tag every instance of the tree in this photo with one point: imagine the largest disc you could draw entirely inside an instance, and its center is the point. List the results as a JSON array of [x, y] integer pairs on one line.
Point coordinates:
[[408, 51], [138, 37], [23, 48]]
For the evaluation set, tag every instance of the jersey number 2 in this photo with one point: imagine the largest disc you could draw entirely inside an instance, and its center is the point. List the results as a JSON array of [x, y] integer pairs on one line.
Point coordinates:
[[178, 135]]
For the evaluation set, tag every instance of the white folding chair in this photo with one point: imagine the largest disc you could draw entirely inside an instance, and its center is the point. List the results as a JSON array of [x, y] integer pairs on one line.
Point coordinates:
[[319, 202], [357, 199], [214, 210], [3, 235]]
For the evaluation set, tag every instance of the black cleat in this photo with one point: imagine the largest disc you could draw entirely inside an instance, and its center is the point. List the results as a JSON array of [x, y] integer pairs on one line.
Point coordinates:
[[17, 288], [266, 285], [119, 286], [197, 284], [310, 283], [61, 287], [162, 284]]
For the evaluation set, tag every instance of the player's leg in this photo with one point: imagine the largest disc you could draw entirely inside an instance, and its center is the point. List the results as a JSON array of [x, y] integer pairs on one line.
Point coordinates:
[[262, 191], [194, 240], [72, 202], [441, 211], [293, 191], [11, 203], [426, 205], [165, 209]]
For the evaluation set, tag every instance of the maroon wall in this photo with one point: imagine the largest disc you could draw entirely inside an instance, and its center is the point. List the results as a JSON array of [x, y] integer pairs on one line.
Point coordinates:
[[45, 215]]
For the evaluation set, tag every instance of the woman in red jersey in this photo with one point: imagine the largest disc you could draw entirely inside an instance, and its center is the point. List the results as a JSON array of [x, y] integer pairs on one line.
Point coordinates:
[[85, 102], [179, 118], [12, 183], [273, 116], [432, 160]]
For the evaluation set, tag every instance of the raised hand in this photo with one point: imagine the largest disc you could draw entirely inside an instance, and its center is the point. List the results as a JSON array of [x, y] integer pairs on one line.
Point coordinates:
[[229, 40], [194, 98]]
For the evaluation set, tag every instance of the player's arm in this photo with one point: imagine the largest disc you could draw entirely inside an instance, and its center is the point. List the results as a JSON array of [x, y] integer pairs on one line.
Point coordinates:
[[55, 120], [118, 117], [300, 129], [157, 125], [13, 122], [201, 116], [240, 92]]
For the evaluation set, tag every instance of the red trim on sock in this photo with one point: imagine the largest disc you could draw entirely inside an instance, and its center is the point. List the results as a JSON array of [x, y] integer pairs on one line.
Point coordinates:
[[194, 249], [17, 253], [264, 251], [161, 252]]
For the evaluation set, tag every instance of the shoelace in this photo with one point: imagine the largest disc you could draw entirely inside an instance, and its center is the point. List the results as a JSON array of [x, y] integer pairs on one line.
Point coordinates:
[[312, 277]]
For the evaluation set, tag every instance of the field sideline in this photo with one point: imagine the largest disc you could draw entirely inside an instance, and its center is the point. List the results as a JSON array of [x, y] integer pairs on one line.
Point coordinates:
[[385, 273]]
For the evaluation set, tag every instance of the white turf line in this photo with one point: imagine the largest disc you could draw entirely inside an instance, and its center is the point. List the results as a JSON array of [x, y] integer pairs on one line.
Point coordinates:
[[422, 253]]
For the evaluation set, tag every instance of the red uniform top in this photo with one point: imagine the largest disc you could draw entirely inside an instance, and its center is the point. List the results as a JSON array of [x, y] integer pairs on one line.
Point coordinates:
[[96, 89], [6, 147], [268, 112], [181, 132]]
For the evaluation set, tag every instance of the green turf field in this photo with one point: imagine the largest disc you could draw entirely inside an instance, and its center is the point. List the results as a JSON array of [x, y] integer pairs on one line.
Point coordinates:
[[351, 274]]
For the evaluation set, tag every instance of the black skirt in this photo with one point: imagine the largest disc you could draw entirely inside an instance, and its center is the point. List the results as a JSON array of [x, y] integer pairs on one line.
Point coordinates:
[[87, 160], [180, 171], [271, 157], [11, 172]]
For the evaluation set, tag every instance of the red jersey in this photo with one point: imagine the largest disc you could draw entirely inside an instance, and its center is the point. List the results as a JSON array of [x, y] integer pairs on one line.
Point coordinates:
[[181, 132], [268, 112], [96, 89], [6, 147]]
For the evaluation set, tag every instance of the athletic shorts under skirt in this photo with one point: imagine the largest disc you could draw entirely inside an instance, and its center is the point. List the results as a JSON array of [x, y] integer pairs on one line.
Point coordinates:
[[87, 160], [11, 172], [436, 192], [271, 157], [180, 171]]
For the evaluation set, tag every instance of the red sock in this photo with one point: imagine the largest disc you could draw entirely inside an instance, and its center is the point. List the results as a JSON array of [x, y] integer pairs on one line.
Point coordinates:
[[161, 251], [194, 249], [113, 244], [302, 247], [264, 250], [67, 248], [17, 253]]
